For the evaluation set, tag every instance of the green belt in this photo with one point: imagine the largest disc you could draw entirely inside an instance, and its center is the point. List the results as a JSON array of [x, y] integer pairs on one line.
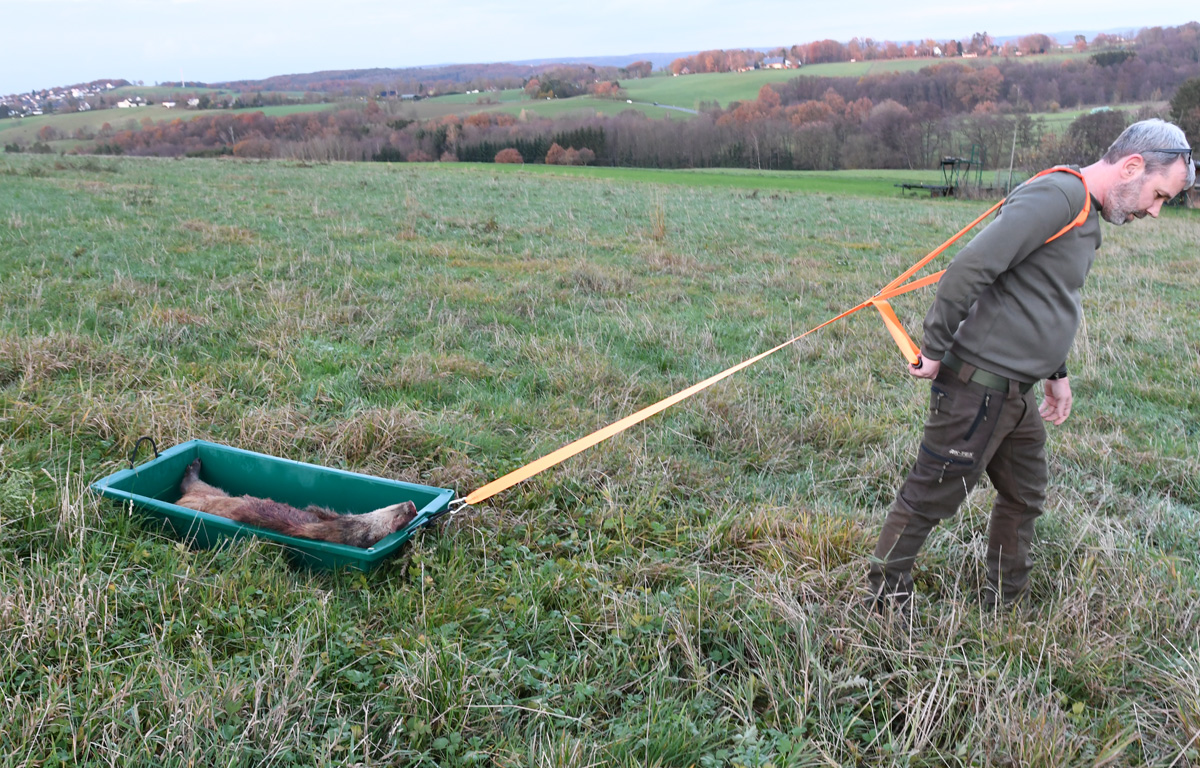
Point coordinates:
[[986, 378]]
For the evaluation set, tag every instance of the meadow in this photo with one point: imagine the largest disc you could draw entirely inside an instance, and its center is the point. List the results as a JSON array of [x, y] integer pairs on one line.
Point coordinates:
[[687, 91], [515, 102], [65, 124], [687, 593], [858, 183], [725, 87]]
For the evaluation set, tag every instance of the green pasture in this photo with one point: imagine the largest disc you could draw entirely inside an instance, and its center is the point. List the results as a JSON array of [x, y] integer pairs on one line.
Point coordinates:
[[586, 106], [722, 87], [855, 183], [1059, 121], [687, 593], [159, 93], [515, 102], [166, 92], [280, 110], [725, 87], [66, 123], [26, 129], [507, 95]]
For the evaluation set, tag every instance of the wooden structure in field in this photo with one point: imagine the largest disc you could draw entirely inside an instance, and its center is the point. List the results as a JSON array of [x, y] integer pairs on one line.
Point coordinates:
[[956, 172]]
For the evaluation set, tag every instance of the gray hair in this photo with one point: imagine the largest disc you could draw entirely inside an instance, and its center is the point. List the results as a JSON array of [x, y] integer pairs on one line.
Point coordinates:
[[1149, 138]]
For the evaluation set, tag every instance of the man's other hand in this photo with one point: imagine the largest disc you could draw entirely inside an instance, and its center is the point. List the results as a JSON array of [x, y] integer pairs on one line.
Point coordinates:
[[926, 369], [1056, 406]]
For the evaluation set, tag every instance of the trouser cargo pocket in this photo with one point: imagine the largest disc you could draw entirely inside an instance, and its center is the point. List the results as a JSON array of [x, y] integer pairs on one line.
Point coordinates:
[[961, 421]]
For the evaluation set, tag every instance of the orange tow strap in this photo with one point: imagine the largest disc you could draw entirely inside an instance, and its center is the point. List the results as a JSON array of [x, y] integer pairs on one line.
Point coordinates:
[[910, 350]]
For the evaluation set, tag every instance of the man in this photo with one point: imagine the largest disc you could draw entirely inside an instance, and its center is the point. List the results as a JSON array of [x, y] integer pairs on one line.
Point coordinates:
[[1004, 318]]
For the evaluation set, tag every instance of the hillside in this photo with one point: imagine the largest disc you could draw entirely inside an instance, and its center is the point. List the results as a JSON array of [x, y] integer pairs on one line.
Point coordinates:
[[889, 111]]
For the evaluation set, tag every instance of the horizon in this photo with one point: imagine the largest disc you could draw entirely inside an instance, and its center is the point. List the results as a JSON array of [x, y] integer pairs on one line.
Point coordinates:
[[137, 40]]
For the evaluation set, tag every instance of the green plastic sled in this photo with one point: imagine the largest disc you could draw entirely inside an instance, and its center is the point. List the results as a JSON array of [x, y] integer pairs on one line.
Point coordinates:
[[153, 487]]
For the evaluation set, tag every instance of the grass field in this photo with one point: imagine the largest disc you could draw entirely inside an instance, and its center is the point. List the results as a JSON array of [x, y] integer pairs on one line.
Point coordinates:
[[1059, 121], [855, 183], [724, 87], [586, 105], [26, 129], [685, 91], [505, 96], [167, 93], [687, 593], [515, 102]]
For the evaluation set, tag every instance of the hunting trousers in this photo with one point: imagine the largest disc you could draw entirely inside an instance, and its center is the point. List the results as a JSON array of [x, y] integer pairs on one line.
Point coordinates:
[[970, 429]]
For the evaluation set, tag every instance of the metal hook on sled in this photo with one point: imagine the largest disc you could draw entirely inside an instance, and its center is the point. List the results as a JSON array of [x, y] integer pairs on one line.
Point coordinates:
[[452, 509]]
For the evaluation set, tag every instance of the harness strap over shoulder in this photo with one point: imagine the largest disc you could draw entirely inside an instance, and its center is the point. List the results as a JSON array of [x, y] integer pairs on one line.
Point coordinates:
[[1079, 220], [908, 347]]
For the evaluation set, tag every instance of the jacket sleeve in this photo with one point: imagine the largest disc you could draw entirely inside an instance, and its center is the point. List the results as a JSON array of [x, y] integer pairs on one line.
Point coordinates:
[[1032, 215]]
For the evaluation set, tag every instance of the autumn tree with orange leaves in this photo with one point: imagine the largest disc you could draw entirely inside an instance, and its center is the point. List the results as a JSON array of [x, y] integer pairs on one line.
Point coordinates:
[[608, 90]]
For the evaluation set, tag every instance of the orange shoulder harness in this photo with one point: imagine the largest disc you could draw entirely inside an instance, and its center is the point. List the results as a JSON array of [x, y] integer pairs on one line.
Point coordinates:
[[909, 349]]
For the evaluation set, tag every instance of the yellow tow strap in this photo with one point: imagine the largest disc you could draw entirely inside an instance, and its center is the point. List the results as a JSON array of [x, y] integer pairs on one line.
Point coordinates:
[[909, 349]]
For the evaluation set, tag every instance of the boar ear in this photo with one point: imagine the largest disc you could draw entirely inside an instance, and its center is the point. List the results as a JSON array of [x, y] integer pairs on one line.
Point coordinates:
[[403, 518]]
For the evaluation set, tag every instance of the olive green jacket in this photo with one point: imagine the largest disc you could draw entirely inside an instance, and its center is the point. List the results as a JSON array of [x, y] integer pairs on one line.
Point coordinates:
[[1009, 302]]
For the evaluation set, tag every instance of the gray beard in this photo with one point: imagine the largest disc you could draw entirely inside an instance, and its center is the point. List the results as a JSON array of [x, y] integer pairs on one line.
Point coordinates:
[[1120, 202]]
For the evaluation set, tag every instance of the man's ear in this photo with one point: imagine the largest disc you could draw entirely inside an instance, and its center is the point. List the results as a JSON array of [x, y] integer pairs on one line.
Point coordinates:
[[1130, 165]]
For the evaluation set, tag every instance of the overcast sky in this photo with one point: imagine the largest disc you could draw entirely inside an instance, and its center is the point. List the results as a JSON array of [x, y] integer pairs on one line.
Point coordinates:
[[47, 43]]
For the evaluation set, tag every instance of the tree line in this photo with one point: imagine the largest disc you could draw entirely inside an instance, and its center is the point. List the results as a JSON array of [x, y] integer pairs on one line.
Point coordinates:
[[893, 120], [980, 44], [1161, 61], [851, 135]]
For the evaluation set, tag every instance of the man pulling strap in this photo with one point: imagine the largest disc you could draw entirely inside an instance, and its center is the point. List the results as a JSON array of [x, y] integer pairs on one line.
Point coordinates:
[[1005, 316]]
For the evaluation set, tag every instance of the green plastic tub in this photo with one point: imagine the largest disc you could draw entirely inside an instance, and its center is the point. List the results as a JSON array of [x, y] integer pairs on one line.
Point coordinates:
[[153, 487]]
